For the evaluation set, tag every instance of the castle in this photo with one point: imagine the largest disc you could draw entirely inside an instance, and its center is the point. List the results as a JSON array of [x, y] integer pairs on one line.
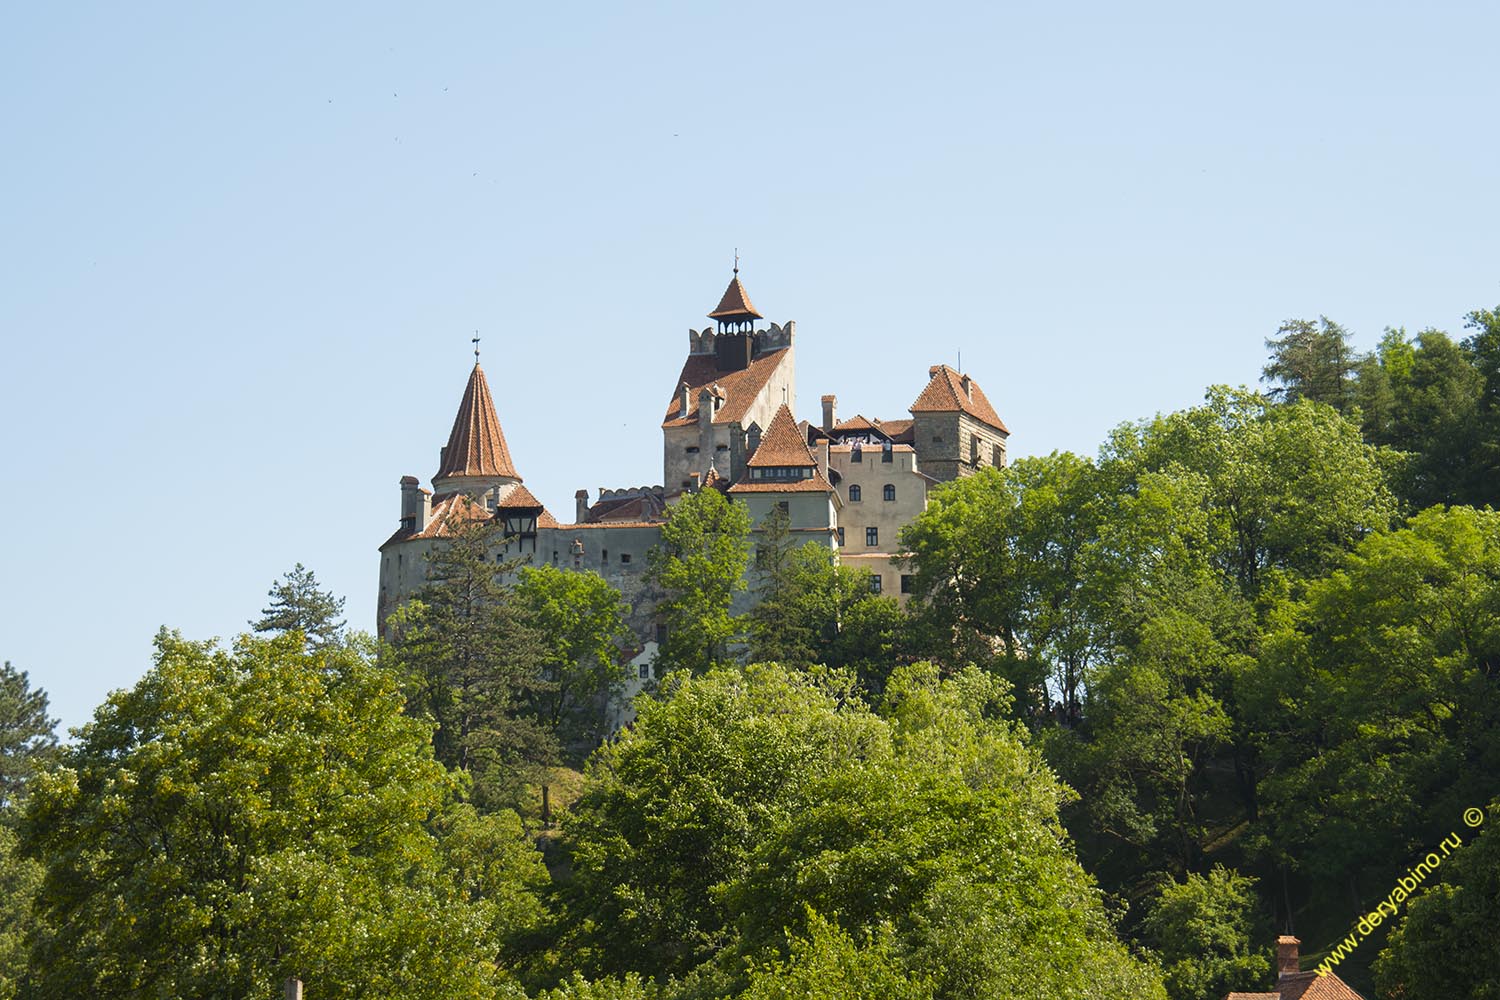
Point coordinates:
[[729, 425]]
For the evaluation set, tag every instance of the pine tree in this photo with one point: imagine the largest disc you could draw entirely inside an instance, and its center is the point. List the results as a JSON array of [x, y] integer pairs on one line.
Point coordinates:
[[472, 659], [27, 737], [297, 604]]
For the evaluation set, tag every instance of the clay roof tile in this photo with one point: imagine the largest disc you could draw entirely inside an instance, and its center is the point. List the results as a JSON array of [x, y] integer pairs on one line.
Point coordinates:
[[476, 445]]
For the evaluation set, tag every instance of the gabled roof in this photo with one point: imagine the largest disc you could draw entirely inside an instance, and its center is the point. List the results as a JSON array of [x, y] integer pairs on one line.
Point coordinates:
[[736, 303], [519, 497], [740, 388], [782, 444], [946, 393], [476, 445]]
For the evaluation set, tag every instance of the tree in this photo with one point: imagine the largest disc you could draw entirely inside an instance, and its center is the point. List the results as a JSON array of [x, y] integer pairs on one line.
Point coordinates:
[[925, 835], [1205, 930], [673, 806], [299, 605], [811, 610], [580, 622], [473, 663], [242, 816], [999, 560], [828, 964], [1446, 945], [19, 880], [700, 565], [1311, 361], [28, 738]]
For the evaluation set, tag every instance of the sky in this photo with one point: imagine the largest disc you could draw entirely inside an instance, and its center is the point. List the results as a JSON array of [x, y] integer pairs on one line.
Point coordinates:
[[244, 247]]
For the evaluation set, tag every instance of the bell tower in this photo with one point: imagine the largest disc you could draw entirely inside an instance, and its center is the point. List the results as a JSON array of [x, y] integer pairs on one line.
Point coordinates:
[[734, 347]]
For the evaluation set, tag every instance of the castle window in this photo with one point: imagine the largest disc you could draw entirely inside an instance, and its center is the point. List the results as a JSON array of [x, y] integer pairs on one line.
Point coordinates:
[[890, 492], [906, 583], [886, 452], [692, 449], [856, 454], [841, 538], [854, 493], [973, 449], [785, 506], [554, 557], [604, 556], [624, 557], [872, 536], [874, 583], [997, 455], [661, 634], [645, 671], [721, 447]]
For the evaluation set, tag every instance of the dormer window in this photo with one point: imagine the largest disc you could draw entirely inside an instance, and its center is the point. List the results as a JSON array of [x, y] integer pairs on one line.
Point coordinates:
[[793, 472]]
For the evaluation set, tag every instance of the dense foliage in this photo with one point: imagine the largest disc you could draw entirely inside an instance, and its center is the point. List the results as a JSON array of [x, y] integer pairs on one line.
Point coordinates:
[[1233, 675]]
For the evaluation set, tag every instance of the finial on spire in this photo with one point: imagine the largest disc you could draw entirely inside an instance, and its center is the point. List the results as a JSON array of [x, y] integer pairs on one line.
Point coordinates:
[[475, 341], [736, 260]]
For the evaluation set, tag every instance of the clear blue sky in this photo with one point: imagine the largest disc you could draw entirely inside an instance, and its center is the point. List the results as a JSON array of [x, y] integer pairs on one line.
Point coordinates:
[[244, 248]]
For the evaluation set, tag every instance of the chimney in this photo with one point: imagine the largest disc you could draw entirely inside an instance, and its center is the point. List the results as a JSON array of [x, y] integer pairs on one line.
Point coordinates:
[[968, 385], [823, 447], [581, 506], [828, 404], [687, 400], [416, 504], [1287, 962], [752, 440]]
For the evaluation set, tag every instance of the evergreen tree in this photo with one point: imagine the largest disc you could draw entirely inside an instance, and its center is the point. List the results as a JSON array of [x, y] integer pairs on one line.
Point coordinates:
[[1311, 361], [28, 740], [298, 605], [473, 662]]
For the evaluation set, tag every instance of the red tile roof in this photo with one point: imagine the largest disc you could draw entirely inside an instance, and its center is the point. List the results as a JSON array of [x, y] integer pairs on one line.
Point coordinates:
[[855, 423], [740, 388], [817, 484], [1311, 986], [736, 303], [945, 394], [520, 496], [476, 445], [782, 444]]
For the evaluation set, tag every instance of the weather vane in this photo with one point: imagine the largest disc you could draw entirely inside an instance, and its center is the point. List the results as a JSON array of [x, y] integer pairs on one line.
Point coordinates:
[[736, 260], [475, 341]]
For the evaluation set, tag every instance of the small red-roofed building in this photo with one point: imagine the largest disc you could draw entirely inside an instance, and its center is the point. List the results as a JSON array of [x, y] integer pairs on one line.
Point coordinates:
[[1294, 984]]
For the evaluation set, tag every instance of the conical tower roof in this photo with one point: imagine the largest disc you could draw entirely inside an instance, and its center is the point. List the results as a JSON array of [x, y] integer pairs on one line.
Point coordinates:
[[736, 302], [476, 445]]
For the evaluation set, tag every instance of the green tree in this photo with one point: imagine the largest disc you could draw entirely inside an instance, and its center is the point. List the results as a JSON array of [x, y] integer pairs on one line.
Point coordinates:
[[1374, 706], [999, 560], [1312, 361], [20, 878], [28, 737], [928, 832], [828, 964], [580, 622], [811, 610], [473, 663], [1206, 932], [1446, 945], [673, 806], [700, 566], [299, 605], [243, 816]]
